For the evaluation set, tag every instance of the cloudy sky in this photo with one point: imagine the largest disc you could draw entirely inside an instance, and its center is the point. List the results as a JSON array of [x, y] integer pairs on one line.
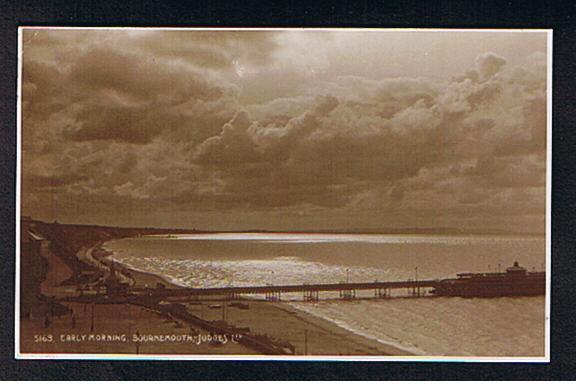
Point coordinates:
[[285, 129]]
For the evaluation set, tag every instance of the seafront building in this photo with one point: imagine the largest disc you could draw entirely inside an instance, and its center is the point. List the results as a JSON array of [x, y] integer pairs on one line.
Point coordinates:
[[32, 267]]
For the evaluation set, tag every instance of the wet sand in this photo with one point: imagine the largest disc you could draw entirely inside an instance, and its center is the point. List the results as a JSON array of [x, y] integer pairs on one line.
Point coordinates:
[[282, 321], [308, 334]]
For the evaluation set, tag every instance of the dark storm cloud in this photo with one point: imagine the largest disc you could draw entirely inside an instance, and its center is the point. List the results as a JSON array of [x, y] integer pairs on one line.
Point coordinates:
[[153, 119], [130, 87], [119, 124], [47, 182], [137, 78], [214, 49], [424, 126]]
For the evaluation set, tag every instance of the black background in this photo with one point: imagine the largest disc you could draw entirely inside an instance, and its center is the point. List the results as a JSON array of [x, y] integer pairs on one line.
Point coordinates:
[[560, 16]]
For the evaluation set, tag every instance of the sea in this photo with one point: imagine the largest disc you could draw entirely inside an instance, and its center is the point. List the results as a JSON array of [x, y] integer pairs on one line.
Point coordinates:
[[441, 326]]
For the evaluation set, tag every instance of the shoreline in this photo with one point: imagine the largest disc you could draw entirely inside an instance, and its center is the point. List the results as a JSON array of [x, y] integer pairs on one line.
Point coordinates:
[[75, 264], [139, 277], [356, 341], [355, 338]]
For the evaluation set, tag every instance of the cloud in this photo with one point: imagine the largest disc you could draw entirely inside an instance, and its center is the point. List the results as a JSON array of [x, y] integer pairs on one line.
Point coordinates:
[[521, 171], [157, 119], [400, 128], [488, 65], [131, 86], [202, 49]]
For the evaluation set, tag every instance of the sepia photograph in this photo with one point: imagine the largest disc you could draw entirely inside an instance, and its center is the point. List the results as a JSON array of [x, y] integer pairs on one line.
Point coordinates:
[[284, 194]]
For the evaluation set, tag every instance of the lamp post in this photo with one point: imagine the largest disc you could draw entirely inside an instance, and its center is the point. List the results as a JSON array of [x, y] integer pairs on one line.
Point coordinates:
[[416, 280]]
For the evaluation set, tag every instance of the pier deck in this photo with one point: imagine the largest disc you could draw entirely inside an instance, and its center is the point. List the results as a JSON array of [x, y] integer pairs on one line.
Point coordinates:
[[310, 291]]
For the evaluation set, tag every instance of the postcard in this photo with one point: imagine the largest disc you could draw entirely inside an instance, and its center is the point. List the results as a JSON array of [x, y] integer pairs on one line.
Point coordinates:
[[284, 194]]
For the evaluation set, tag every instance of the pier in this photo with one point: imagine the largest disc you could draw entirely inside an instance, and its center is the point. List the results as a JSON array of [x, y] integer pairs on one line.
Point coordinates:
[[516, 281], [309, 292]]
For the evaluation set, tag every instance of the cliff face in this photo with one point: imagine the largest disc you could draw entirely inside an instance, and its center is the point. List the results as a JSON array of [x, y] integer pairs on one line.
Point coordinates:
[[41, 242], [33, 268], [67, 240]]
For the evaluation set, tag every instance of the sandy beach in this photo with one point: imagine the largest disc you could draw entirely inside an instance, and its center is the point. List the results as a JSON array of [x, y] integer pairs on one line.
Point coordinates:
[[120, 324], [309, 334], [283, 321]]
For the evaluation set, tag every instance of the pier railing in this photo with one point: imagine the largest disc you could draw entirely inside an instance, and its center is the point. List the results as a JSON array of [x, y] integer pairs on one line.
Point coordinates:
[[309, 291]]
